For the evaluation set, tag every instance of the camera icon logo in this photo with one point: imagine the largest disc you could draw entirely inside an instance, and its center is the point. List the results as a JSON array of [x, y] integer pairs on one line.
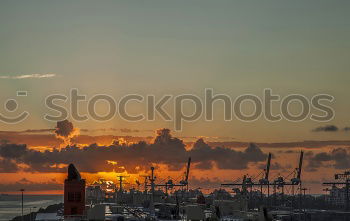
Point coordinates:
[[11, 105]]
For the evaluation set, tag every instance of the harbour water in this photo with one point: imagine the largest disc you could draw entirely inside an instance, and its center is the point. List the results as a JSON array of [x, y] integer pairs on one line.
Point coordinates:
[[10, 205]]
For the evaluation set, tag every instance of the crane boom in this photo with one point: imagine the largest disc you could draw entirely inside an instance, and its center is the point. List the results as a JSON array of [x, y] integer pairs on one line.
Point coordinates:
[[300, 164], [188, 168], [268, 167]]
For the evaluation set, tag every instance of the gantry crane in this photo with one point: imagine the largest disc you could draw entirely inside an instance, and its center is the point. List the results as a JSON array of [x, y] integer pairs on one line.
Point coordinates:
[[279, 182], [344, 180], [247, 182], [168, 184]]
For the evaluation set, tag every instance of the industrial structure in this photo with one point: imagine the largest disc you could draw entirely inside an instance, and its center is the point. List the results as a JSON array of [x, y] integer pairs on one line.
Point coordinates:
[[173, 199], [339, 193], [246, 188], [74, 194]]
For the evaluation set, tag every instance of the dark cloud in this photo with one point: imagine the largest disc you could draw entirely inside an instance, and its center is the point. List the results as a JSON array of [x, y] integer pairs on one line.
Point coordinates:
[[339, 158], [64, 129], [165, 149], [327, 128], [225, 158], [12, 151], [346, 129], [32, 139], [8, 166]]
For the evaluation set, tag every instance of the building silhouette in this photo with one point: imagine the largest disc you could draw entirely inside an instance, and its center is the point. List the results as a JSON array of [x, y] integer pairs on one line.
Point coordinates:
[[74, 194]]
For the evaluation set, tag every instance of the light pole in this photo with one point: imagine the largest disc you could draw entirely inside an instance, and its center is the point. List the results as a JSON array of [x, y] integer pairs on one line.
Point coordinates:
[[22, 190], [30, 212]]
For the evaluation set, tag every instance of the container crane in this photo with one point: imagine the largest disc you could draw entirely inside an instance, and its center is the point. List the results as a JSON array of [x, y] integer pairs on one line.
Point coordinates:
[[344, 180], [185, 181], [265, 180], [247, 182], [297, 180], [280, 182], [167, 185]]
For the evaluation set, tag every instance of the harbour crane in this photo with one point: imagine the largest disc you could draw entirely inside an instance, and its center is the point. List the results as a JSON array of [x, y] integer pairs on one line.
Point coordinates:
[[248, 182], [265, 180], [185, 181], [280, 182], [167, 185], [344, 180], [297, 180]]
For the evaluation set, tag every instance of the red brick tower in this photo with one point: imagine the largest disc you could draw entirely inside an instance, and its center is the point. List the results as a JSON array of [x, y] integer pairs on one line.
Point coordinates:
[[74, 194]]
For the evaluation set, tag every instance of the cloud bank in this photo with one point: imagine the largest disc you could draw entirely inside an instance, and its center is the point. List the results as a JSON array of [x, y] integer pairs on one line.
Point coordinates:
[[327, 128], [330, 128], [133, 158], [339, 158]]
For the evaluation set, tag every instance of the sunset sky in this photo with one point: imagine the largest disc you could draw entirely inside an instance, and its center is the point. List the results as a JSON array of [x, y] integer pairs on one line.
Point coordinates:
[[162, 47]]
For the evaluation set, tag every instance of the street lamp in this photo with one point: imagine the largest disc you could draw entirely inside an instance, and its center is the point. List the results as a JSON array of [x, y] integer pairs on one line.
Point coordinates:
[[30, 212], [22, 190]]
